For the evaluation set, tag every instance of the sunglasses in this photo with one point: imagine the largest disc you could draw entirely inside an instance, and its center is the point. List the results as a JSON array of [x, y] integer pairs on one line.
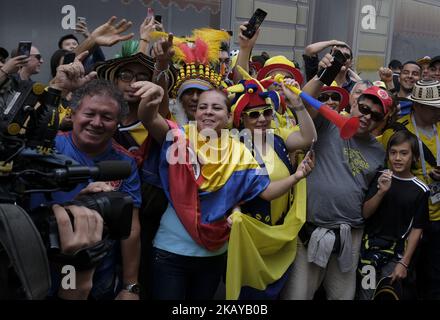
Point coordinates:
[[255, 114], [325, 97], [37, 56], [128, 76], [375, 116]]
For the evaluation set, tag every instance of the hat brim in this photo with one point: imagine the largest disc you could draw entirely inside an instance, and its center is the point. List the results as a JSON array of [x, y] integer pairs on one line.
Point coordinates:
[[295, 73], [431, 103], [423, 61], [107, 69], [193, 84], [345, 97]]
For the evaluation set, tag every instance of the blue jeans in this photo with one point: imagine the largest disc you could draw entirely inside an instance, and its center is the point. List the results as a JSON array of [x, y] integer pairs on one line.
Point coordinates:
[[177, 277]]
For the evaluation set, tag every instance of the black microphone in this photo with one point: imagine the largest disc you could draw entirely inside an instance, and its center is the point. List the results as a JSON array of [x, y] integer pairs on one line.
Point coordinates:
[[103, 171]]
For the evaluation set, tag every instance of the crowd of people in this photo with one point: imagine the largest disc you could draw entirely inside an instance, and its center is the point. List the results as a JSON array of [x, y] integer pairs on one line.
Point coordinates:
[[235, 178]]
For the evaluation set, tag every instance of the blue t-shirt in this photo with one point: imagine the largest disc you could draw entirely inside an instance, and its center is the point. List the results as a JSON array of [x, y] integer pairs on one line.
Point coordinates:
[[65, 145]]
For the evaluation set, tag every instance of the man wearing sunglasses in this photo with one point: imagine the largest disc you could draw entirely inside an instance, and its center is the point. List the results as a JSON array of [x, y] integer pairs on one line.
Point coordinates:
[[33, 66], [330, 240]]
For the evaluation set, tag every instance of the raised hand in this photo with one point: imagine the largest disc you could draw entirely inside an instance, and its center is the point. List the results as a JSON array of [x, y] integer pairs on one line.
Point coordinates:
[[12, 65], [163, 50], [306, 166], [72, 76], [384, 181], [295, 100], [81, 27], [109, 34], [385, 74]]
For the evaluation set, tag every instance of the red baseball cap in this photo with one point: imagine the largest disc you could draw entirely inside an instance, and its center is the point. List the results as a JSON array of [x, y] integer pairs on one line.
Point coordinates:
[[382, 95]]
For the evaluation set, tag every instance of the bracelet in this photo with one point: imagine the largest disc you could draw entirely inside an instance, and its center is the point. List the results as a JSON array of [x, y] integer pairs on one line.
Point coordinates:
[[403, 264]]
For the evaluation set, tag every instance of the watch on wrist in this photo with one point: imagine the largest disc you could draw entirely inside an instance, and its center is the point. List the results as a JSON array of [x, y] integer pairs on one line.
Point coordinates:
[[133, 288]]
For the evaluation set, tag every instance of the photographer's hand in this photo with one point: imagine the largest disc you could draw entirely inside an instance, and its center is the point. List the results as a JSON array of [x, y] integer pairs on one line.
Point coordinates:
[[86, 231]]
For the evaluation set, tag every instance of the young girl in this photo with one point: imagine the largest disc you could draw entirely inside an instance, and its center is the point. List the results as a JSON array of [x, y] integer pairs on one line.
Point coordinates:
[[396, 209]]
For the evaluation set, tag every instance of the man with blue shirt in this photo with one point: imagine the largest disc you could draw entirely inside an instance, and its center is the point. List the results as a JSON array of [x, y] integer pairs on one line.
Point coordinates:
[[97, 108]]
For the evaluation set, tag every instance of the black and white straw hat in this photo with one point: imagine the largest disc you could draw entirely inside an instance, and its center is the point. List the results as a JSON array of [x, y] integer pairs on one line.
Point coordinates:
[[426, 92]]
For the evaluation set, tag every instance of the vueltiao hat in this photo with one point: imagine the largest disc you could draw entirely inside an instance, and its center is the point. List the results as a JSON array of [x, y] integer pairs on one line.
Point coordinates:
[[107, 70], [426, 92], [280, 63]]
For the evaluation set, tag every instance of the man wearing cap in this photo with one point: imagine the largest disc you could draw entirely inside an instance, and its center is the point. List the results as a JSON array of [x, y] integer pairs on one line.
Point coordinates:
[[434, 68], [424, 64], [423, 121], [329, 245]]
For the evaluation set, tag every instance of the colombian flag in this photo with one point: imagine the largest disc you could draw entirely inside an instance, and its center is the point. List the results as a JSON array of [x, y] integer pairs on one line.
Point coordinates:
[[204, 183], [259, 255]]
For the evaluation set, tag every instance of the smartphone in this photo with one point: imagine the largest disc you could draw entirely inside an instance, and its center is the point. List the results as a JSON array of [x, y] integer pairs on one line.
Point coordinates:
[[81, 19], [158, 18], [69, 58], [24, 48], [231, 33], [254, 23], [328, 75]]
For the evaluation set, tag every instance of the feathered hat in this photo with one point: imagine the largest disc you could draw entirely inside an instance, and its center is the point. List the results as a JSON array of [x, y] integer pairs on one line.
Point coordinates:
[[196, 56], [251, 93]]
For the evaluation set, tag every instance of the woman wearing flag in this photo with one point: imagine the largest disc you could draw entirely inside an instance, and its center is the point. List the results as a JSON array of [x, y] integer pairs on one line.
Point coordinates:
[[205, 174], [273, 240]]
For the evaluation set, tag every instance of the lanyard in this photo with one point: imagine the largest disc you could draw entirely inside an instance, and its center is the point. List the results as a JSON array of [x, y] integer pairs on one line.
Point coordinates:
[[422, 155]]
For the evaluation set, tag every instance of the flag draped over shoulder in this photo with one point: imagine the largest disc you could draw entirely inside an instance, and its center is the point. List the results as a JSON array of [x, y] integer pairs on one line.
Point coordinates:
[[203, 186], [259, 255]]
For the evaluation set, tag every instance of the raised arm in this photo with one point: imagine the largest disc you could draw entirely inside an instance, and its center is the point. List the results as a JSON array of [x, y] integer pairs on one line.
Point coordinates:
[[246, 46], [148, 111], [383, 185], [163, 52], [303, 138], [315, 48], [313, 87], [106, 35]]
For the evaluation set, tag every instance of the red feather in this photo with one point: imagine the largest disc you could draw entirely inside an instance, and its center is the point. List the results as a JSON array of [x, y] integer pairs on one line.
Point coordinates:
[[188, 53], [201, 51]]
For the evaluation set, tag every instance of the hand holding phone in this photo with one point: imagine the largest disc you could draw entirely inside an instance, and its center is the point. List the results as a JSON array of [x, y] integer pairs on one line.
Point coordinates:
[[24, 48], [158, 18], [328, 75], [254, 23], [81, 19]]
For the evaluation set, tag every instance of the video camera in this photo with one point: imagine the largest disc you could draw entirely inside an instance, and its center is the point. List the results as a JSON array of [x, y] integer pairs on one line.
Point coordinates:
[[30, 164]]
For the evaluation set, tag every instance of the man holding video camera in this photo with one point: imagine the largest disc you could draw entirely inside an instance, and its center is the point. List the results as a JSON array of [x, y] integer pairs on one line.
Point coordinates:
[[97, 108]]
